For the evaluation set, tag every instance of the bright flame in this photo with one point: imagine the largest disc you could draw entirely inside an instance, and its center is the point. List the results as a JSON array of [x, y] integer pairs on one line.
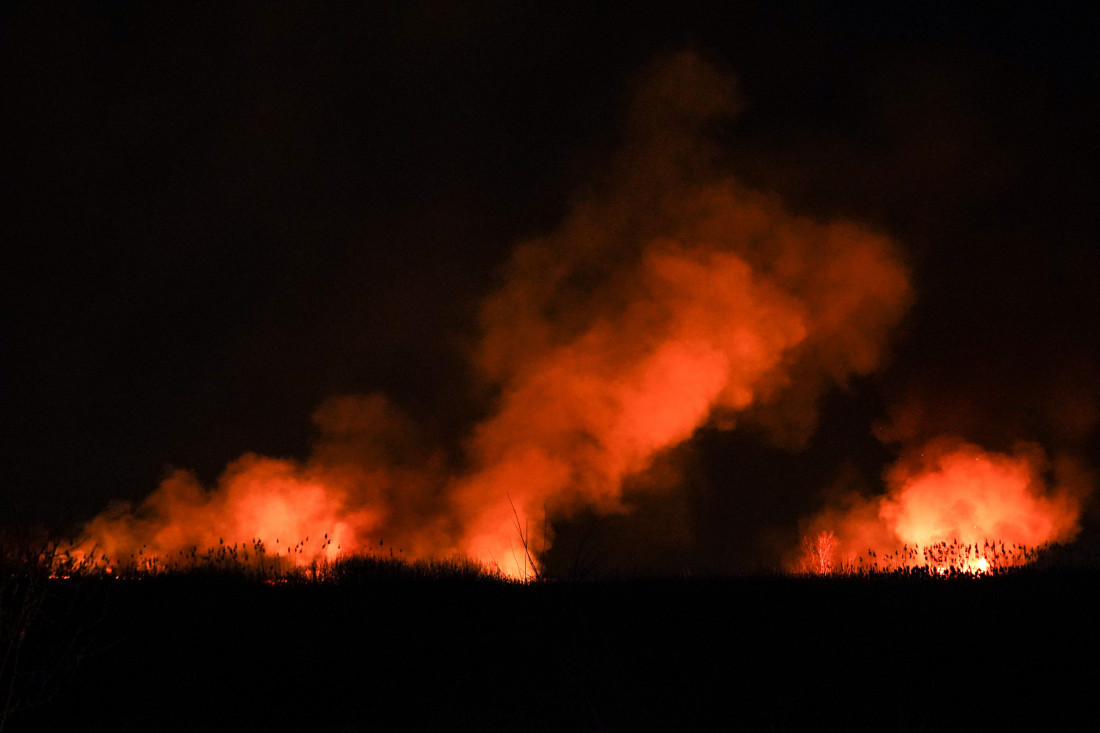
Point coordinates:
[[263, 505], [955, 507]]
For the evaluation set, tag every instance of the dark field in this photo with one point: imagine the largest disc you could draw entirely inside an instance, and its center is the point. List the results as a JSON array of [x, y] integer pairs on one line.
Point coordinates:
[[384, 649]]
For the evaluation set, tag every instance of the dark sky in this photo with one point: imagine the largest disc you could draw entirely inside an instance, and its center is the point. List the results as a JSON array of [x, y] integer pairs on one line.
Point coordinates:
[[216, 216]]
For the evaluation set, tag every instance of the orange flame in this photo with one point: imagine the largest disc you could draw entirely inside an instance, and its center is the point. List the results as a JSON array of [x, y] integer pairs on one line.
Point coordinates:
[[953, 506], [670, 297]]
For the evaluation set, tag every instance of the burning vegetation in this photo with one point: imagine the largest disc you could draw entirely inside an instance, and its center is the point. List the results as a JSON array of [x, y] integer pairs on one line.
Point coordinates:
[[950, 507], [671, 297]]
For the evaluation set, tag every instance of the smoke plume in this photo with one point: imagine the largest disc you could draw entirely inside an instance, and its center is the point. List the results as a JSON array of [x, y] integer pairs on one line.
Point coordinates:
[[669, 298], [951, 504]]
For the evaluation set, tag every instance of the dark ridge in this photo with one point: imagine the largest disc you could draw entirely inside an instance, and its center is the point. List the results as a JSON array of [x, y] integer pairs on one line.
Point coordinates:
[[388, 646]]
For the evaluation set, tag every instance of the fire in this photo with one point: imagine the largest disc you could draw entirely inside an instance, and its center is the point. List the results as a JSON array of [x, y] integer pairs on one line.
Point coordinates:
[[669, 298], [271, 506], [953, 506]]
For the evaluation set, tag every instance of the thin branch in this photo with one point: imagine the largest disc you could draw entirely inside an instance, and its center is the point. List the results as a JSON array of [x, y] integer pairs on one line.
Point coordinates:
[[523, 538]]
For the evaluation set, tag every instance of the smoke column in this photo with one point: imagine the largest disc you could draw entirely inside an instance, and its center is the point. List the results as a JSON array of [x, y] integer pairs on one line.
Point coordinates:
[[670, 297]]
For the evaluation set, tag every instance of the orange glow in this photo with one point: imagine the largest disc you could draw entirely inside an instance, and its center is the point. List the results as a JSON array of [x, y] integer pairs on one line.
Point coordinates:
[[670, 297], [260, 503], [955, 507]]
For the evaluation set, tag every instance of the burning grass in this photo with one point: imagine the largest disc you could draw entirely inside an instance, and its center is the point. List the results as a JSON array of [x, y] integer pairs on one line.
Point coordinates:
[[821, 555], [255, 563]]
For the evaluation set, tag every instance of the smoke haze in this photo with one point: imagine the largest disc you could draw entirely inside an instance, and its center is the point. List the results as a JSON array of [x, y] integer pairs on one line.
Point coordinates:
[[669, 298]]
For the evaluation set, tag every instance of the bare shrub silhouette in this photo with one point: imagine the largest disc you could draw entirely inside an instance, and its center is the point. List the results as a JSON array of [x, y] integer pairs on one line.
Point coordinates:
[[48, 623]]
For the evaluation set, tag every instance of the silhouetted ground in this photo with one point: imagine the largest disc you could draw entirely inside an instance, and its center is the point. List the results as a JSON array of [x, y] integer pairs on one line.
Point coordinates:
[[206, 652]]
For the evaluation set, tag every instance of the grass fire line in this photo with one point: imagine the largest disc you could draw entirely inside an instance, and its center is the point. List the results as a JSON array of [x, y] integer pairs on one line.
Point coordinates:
[[669, 298]]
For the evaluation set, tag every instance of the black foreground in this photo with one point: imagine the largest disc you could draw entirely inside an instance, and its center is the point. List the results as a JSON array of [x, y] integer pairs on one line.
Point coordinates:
[[209, 652]]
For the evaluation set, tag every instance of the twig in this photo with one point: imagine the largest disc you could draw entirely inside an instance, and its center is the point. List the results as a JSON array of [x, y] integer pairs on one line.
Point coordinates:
[[523, 538]]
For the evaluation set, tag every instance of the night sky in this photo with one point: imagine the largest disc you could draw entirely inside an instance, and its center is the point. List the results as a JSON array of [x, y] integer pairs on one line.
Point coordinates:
[[217, 216]]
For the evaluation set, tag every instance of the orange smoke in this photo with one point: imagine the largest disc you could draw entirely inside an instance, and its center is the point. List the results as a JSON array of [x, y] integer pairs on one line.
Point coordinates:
[[952, 505], [300, 512], [258, 499], [670, 297]]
